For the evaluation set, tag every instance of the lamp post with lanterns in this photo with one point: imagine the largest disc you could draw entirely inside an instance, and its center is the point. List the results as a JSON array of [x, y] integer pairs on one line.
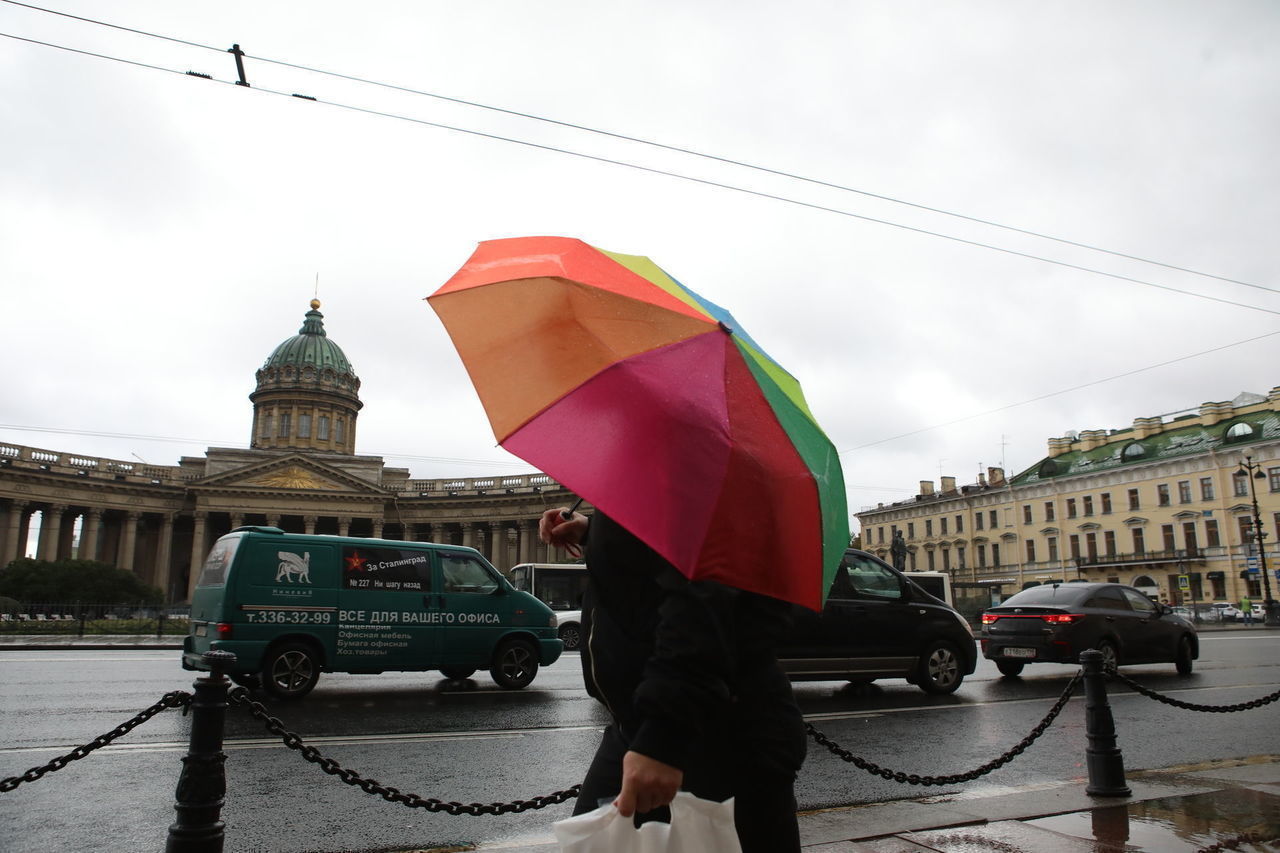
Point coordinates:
[[1253, 471]]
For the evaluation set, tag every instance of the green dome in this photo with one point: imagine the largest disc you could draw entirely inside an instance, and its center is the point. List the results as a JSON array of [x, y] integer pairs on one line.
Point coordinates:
[[310, 347]]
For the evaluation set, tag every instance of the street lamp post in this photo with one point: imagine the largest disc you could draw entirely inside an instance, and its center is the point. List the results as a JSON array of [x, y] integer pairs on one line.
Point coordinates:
[[1253, 471]]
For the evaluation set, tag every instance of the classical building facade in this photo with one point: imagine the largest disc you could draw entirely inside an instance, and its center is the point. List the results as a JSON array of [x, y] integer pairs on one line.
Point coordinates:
[[1163, 505], [300, 473]]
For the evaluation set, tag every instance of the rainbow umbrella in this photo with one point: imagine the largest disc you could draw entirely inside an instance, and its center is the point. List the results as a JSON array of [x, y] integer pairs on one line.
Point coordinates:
[[656, 407]]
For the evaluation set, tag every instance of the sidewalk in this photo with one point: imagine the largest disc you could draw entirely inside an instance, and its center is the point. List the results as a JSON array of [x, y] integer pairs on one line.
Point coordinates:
[[1169, 811]]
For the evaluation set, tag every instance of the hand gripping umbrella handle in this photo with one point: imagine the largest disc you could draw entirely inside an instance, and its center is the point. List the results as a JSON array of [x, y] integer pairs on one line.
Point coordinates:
[[567, 514]]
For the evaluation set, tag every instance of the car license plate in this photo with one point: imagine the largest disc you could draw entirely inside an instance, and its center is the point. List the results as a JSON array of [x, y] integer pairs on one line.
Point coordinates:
[[202, 630], [1019, 653]]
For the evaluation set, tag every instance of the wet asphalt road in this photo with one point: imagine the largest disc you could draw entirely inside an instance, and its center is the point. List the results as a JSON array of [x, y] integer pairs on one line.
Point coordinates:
[[470, 741]]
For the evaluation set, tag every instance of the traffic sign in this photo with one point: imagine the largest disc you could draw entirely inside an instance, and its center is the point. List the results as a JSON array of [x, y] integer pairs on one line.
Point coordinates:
[[1184, 582]]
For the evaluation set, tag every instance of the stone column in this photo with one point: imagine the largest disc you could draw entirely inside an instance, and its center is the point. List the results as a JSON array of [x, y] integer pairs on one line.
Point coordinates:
[[237, 519], [130, 540], [408, 532], [512, 547], [377, 528], [50, 530], [468, 534], [164, 555], [200, 519], [273, 520], [309, 524], [89, 534], [528, 536], [13, 532], [344, 525]]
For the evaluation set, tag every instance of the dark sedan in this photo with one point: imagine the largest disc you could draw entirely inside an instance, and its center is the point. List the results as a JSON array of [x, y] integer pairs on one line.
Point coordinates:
[[1056, 622]]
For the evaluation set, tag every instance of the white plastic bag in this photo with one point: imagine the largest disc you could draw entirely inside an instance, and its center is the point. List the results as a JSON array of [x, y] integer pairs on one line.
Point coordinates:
[[697, 826]]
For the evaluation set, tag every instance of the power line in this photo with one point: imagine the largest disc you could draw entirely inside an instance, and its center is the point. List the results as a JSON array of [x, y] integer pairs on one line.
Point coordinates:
[[665, 146], [670, 174], [1057, 393]]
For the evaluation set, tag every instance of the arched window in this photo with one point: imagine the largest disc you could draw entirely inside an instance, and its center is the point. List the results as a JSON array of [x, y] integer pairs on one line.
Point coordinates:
[[1048, 468], [1133, 451], [1144, 580], [1238, 431]]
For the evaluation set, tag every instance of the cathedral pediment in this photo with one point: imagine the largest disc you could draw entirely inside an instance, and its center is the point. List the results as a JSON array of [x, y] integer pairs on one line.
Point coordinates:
[[294, 472]]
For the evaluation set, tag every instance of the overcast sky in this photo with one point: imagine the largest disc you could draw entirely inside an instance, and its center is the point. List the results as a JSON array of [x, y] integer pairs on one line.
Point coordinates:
[[160, 233]]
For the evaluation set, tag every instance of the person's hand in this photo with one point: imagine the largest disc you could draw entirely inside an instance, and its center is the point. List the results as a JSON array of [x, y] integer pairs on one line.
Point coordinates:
[[561, 532], [647, 784]]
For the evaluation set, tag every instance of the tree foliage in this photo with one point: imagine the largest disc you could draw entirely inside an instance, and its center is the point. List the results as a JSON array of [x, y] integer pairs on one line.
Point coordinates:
[[74, 580]]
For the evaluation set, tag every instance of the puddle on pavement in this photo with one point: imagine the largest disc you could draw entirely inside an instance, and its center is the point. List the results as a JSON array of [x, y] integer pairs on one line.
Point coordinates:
[[1176, 824]]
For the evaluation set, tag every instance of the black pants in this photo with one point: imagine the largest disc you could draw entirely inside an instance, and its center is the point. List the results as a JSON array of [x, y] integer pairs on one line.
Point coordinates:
[[764, 807]]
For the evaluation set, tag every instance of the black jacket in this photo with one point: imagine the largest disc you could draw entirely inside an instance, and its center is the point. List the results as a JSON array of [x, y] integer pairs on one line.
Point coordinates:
[[683, 665]]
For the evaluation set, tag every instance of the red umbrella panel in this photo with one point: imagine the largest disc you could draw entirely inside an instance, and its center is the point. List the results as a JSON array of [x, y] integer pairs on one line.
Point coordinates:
[[650, 402]]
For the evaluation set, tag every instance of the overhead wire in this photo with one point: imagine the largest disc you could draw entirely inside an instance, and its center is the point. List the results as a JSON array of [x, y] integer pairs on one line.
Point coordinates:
[[677, 149], [1040, 397], [664, 172]]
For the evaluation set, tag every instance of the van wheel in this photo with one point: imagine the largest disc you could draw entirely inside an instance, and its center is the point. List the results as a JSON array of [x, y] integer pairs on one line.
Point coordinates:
[[1011, 668], [571, 635], [514, 665], [247, 680], [1184, 659], [457, 673], [290, 671], [939, 669]]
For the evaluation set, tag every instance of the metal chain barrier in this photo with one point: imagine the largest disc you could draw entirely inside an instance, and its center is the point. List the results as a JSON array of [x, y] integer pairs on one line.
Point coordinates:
[[954, 778], [173, 699], [240, 696], [1177, 703]]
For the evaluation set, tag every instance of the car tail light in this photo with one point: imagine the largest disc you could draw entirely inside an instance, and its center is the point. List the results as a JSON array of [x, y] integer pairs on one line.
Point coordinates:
[[1062, 618], [224, 630], [989, 618]]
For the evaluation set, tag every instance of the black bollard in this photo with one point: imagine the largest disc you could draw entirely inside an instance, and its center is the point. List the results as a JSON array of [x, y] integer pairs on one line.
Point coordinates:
[[203, 783], [1106, 764]]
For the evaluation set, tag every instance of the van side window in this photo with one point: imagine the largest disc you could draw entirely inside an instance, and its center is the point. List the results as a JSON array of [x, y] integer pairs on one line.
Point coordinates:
[[386, 569], [871, 580], [466, 574]]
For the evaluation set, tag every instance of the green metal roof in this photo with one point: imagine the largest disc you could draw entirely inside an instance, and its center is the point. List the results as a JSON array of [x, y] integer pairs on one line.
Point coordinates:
[[1123, 448], [311, 346]]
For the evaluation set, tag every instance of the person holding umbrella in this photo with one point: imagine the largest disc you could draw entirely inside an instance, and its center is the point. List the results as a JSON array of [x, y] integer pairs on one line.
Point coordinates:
[[689, 674]]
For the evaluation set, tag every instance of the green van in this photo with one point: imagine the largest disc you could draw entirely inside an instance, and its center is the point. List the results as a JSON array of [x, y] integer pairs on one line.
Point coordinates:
[[290, 606]]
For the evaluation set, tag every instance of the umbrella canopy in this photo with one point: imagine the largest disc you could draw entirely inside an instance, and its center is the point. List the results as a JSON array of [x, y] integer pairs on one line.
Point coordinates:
[[656, 407]]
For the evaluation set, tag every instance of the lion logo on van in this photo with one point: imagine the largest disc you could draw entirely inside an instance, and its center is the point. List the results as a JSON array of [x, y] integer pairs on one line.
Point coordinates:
[[291, 565]]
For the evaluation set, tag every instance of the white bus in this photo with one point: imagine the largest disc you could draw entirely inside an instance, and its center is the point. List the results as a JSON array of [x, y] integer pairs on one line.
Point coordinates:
[[560, 586]]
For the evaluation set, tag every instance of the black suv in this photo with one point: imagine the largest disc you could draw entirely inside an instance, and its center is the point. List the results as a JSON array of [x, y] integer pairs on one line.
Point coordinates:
[[878, 624]]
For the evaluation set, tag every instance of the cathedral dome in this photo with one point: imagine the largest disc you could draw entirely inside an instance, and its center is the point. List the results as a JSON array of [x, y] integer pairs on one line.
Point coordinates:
[[307, 395], [311, 346]]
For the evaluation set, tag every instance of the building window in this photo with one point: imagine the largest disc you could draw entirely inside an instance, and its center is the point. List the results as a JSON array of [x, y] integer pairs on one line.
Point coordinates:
[[1211, 539], [911, 530], [304, 426], [1071, 507], [1166, 531], [265, 432], [1184, 491], [1074, 542], [1206, 488], [1106, 503], [1091, 546], [1273, 479], [1109, 542], [1026, 513], [1189, 537], [928, 527], [982, 556], [322, 430], [946, 559], [977, 520], [942, 523], [1139, 541], [959, 524], [1051, 543], [283, 432], [932, 567], [1132, 452], [880, 535], [1246, 532], [1049, 514], [1238, 431], [337, 430], [1134, 503], [1240, 484], [1088, 504], [995, 555], [1031, 550], [1162, 495]]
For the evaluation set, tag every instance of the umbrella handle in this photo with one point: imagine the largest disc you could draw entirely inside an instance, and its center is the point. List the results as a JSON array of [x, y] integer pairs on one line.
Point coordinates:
[[568, 513]]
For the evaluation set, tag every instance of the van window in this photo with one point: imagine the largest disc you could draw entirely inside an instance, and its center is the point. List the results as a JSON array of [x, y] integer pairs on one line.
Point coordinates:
[[872, 580], [214, 572], [386, 569], [466, 574]]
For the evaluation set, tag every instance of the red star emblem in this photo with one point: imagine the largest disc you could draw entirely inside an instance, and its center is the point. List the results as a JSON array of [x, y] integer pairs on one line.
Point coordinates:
[[355, 563]]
